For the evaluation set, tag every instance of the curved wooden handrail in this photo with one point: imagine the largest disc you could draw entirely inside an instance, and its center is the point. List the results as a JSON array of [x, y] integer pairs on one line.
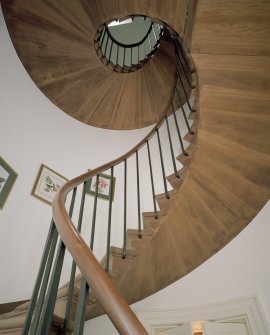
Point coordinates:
[[110, 298]]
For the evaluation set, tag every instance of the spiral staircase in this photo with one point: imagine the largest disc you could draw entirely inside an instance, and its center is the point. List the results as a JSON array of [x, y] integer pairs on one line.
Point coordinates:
[[225, 176]]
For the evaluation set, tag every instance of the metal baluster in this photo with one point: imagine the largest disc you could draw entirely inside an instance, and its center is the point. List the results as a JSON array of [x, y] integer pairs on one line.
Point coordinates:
[[105, 51], [43, 287], [138, 54], [162, 166], [50, 299], [178, 132], [183, 112], [107, 267], [171, 148], [47, 248], [153, 28], [138, 196], [144, 48], [47, 274], [72, 275], [46, 318], [131, 60], [125, 211], [180, 47], [80, 310], [84, 287], [184, 90], [102, 40], [110, 52], [152, 180], [94, 215], [117, 55], [149, 41], [180, 62], [124, 58]]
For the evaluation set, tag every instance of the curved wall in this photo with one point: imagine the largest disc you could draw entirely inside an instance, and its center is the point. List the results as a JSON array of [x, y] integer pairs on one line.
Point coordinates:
[[34, 131]]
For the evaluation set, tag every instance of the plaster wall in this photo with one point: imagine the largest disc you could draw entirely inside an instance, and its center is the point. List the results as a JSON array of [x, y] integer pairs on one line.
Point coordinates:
[[34, 131]]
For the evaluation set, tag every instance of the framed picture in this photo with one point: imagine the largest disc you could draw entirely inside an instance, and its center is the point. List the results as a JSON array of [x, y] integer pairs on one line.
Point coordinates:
[[104, 186], [47, 183], [7, 180]]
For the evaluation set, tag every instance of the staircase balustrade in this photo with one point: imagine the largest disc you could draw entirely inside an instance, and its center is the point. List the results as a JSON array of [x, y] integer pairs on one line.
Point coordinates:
[[96, 283], [121, 57]]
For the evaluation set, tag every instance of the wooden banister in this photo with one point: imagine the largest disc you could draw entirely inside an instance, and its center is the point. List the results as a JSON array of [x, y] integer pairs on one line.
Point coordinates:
[[110, 298]]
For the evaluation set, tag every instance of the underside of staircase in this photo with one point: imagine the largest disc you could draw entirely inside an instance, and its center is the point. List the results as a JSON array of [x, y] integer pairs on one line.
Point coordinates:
[[225, 180]]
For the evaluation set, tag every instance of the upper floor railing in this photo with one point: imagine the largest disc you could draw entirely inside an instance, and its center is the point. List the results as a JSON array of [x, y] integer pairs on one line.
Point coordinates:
[[127, 57]]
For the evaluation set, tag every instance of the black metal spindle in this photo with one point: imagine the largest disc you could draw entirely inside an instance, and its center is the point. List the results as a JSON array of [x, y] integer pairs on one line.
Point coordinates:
[[117, 55], [138, 53], [171, 148], [124, 58], [105, 51], [94, 214], [183, 65], [50, 299], [46, 251], [149, 41], [47, 314], [162, 166], [107, 266], [43, 287], [184, 90], [84, 287], [125, 211], [180, 47], [144, 48], [138, 196], [102, 40], [73, 270], [152, 180], [178, 132], [131, 57], [110, 55], [153, 28], [81, 308], [183, 111]]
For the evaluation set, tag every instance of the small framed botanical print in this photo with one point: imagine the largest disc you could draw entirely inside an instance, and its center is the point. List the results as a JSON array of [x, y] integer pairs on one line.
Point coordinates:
[[47, 183], [7, 180], [104, 186]]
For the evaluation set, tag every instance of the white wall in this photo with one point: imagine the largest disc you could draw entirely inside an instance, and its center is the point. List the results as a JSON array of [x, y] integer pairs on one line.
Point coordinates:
[[239, 269], [34, 131]]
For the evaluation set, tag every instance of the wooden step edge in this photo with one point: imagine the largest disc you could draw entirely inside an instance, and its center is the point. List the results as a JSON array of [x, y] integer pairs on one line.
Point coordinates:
[[185, 159], [151, 222], [174, 181], [118, 252], [151, 215], [162, 196], [134, 232], [190, 137], [163, 201]]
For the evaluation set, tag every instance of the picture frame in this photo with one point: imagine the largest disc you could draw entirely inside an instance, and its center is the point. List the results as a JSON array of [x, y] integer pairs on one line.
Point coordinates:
[[104, 187], [7, 179], [47, 183]]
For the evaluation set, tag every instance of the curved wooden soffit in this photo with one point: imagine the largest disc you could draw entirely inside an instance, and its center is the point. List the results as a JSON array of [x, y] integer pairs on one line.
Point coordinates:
[[55, 42]]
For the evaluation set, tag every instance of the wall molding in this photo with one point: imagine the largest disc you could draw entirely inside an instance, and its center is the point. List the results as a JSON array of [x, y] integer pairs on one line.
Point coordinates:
[[248, 307]]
